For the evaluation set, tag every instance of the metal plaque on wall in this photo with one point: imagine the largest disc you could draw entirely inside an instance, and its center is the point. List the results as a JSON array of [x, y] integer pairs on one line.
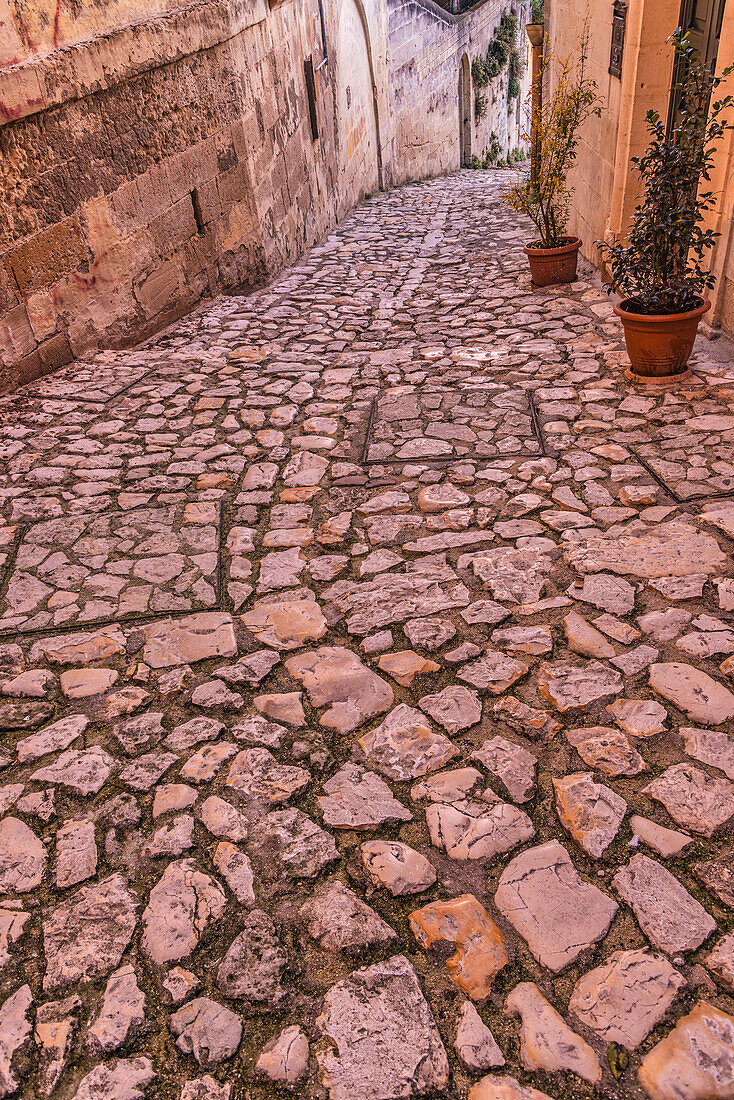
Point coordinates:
[[619, 20]]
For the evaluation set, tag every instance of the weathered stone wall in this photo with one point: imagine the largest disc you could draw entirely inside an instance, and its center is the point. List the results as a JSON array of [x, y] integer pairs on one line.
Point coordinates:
[[156, 154], [426, 50]]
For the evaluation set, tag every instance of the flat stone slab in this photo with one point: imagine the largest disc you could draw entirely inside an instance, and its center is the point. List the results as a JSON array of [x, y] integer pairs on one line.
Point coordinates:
[[717, 875], [404, 746], [397, 867], [481, 951], [668, 915], [700, 697], [546, 1041], [693, 798], [355, 798], [543, 896], [188, 640], [336, 676], [710, 747], [674, 549], [289, 845], [340, 921], [383, 1040], [512, 576], [85, 936], [494, 672], [623, 999], [395, 597], [455, 708], [512, 766], [606, 749], [573, 687]]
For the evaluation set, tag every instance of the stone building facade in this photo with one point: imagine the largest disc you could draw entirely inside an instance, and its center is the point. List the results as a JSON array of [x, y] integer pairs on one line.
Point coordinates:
[[605, 188], [155, 151]]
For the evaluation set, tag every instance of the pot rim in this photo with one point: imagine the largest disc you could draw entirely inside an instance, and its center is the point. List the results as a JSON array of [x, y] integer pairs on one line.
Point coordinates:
[[662, 318], [574, 243]]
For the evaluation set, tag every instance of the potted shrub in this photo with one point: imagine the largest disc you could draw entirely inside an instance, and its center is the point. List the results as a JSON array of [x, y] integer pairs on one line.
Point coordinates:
[[660, 270], [545, 199]]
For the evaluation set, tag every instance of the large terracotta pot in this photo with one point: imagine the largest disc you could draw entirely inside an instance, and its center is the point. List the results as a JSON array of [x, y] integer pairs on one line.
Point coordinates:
[[553, 265], [660, 345]]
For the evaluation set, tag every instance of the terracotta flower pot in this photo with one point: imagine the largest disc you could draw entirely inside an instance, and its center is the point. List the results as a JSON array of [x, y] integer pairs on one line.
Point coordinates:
[[553, 265], [660, 345]]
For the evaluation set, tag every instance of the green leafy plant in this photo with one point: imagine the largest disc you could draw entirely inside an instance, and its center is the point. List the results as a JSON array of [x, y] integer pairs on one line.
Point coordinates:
[[517, 68], [661, 269], [487, 68], [575, 98], [491, 158], [537, 11], [480, 105]]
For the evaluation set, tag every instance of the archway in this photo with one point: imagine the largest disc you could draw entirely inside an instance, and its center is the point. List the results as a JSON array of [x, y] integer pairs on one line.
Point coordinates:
[[465, 126], [359, 150]]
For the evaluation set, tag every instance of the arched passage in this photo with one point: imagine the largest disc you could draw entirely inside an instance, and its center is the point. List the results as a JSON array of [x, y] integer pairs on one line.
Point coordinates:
[[465, 127]]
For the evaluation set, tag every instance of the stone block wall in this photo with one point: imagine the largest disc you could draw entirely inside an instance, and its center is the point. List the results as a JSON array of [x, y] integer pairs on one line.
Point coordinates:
[[155, 153]]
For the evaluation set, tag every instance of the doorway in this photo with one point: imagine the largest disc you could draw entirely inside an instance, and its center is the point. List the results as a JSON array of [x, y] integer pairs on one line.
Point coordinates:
[[702, 19], [465, 127]]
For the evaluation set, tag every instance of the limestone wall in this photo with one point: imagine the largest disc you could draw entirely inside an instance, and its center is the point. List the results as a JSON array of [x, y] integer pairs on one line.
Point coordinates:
[[605, 190], [155, 152]]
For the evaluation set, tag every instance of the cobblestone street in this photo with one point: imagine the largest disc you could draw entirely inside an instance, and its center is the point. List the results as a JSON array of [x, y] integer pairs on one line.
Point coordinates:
[[367, 692]]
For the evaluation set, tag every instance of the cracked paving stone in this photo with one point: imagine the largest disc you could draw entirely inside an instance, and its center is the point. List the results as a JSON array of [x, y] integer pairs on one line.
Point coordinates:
[[694, 799], [695, 1061], [455, 708], [186, 641], [481, 950], [222, 819], [355, 798], [546, 1041], [404, 746], [259, 779], [85, 936], [626, 997], [336, 676], [395, 597], [54, 738], [15, 1031], [591, 812], [469, 829], [494, 672], [717, 875], [181, 905], [638, 717], [339, 921], [383, 1042], [286, 622], [524, 719], [668, 915], [710, 747], [429, 633], [83, 771], [397, 867], [674, 549], [284, 1058], [721, 961], [515, 576], [56, 1022], [13, 922], [545, 899], [208, 1030], [606, 592], [205, 1088], [76, 853]]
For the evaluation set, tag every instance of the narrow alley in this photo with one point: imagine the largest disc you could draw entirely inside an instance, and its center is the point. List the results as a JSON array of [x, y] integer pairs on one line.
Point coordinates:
[[367, 688]]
